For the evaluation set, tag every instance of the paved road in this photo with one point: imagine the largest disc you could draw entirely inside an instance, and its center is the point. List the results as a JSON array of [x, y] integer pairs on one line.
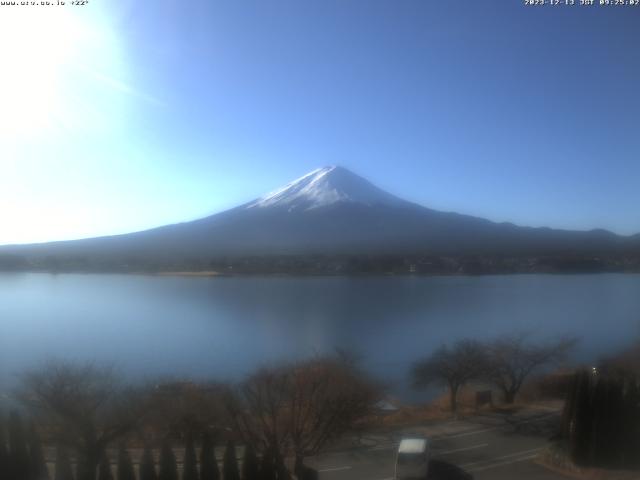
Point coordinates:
[[482, 448]]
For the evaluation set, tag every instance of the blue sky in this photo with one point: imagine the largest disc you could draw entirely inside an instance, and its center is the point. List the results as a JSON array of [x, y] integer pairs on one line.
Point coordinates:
[[124, 115]]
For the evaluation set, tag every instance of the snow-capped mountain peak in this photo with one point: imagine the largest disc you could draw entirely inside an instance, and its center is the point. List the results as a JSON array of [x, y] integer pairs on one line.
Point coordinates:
[[326, 186]]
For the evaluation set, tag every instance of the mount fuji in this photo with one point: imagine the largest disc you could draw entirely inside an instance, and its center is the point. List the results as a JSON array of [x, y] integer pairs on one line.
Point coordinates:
[[333, 211], [323, 187]]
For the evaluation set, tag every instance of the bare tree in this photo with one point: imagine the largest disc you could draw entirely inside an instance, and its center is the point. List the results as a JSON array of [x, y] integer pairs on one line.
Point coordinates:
[[302, 407], [512, 358], [256, 409], [626, 362], [186, 408], [452, 366], [328, 397], [85, 406]]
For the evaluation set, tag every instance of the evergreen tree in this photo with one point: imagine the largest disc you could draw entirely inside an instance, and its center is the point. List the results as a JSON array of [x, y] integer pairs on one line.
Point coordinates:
[[168, 465], [38, 464], [190, 461], [208, 463], [614, 428], [18, 451], [4, 454], [601, 421], [104, 468], [569, 410], [282, 472], [63, 464], [250, 470], [230, 463], [125, 465], [147, 465], [580, 437], [598, 440], [268, 466], [83, 468], [632, 416]]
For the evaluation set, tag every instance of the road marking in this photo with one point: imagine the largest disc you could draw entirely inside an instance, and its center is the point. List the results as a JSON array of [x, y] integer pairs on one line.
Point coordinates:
[[499, 427], [383, 447], [393, 447], [475, 432], [511, 455], [335, 469], [500, 464], [473, 447]]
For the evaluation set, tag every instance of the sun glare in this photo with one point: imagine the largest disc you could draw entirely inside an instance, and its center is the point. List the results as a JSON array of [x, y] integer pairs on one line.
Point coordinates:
[[39, 49]]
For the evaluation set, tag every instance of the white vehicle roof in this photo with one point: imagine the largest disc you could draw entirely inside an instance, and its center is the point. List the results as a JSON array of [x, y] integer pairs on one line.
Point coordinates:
[[413, 445]]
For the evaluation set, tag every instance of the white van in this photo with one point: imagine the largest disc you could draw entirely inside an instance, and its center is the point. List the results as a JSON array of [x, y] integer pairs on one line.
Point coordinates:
[[412, 462]]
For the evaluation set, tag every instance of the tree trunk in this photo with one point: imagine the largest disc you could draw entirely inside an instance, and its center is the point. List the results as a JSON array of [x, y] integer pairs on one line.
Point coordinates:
[[302, 471], [509, 397], [281, 469], [88, 466], [453, 399], [299, 465]]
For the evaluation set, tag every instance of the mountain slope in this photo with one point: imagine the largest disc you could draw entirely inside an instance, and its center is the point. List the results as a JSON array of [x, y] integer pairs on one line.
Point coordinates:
[[334, 211]]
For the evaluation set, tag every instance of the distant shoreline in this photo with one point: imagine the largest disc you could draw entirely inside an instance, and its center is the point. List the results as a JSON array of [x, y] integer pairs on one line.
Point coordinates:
[[330, 265], [206, 273], [217, 274]]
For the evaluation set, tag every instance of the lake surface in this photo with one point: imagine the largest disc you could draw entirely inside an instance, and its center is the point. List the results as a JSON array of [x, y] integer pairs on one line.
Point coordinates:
[[226, 326]]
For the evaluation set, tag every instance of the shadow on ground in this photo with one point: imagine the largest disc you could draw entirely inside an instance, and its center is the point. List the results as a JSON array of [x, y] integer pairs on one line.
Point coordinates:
[[440, 470]]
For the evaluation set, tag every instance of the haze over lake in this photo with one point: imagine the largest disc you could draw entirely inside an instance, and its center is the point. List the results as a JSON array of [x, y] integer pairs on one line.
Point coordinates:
[[224, 327]]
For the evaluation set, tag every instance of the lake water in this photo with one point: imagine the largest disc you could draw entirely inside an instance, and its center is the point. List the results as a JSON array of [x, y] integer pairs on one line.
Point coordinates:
[[224, 327]]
